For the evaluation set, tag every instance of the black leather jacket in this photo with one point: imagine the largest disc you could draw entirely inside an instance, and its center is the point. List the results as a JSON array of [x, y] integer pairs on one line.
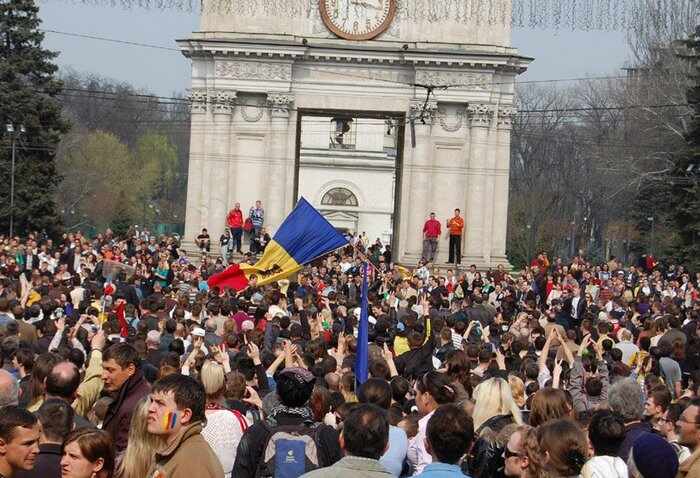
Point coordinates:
[[486, 460]]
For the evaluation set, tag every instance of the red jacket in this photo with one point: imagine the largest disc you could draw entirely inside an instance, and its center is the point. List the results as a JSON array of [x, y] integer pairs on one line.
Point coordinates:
[[234, 219], [432, 228]]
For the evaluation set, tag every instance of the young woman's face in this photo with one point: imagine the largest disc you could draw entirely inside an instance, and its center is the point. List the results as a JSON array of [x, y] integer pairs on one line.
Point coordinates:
[[75, 465]]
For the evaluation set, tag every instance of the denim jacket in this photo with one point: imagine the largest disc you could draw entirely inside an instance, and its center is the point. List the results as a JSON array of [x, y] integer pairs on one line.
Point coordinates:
[[441, 470]]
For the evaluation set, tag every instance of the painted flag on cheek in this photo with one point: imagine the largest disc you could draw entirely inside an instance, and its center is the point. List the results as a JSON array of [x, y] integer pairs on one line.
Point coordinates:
[[304, 235]]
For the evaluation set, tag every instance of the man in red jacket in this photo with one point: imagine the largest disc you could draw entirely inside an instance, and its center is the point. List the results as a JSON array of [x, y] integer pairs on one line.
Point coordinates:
[[431, 233], [234, 221]]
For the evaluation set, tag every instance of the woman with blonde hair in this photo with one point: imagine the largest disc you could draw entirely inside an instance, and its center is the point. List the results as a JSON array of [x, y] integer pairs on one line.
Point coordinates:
[[225, 427], [494, 409], [139, 455], [493, 400], [517, 388]]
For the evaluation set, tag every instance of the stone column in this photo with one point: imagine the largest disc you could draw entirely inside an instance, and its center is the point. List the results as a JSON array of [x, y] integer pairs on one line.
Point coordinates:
[[222, 107], [194, 215], [418, 172], [280, 157], [480, 120], [502, 176]]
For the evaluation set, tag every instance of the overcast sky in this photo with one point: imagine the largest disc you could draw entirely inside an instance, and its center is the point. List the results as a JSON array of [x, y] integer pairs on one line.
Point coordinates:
[[557, 54]]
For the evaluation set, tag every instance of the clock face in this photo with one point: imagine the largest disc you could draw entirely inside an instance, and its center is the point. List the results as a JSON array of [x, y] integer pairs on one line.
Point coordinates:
[[357, 19]]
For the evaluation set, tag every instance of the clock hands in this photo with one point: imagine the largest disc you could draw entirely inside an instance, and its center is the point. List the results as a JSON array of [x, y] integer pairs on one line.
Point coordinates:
[[365, 3]]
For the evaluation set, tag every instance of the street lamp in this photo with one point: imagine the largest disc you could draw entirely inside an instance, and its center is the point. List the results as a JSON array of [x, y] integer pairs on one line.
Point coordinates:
[[14, 133]]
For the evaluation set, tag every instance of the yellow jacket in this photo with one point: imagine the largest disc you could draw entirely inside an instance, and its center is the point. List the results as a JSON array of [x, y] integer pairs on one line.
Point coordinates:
[[91, 386]]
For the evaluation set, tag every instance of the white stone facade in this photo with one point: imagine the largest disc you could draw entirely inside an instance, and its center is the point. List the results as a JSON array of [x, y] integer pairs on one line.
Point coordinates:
[[362, 169], [255, 72]]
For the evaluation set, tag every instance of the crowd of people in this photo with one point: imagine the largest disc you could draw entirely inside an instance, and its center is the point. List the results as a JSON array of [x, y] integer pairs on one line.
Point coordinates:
[[118, 360]]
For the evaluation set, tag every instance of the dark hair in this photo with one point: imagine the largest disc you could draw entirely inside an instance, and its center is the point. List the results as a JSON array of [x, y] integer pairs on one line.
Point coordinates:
[[94, 444], [293, 392], [399, 388], [187, 393], [450, 433], [661, 397], [12, 417], [606, 432], [43, 365], [366, 431], [375, 391], [122, 353], [594, 385], [56, 418], [61, 384], [25, 357], [438, 386]]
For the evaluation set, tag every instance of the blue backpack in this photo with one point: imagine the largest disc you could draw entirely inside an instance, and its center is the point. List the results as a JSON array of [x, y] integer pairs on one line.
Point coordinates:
[[290, 451]]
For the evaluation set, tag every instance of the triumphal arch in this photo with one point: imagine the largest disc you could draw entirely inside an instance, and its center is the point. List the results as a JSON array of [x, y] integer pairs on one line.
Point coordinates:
[[437, 75]]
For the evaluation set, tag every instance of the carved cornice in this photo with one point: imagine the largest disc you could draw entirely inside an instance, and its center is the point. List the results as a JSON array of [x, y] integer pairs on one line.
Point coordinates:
[[229, 53], [253, 70], [280, 104], [480, 115], [505, 117]]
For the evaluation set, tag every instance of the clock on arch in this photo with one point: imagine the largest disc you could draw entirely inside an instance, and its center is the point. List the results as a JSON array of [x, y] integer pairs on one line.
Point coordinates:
[[357, 19]]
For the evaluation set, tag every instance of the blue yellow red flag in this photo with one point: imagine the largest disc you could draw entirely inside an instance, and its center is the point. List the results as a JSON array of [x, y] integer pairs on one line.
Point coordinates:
[[304, 235], [362, 352]]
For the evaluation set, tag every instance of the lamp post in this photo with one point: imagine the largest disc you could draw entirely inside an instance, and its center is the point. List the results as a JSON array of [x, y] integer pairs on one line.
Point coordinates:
[[10, 128], [651, 243]]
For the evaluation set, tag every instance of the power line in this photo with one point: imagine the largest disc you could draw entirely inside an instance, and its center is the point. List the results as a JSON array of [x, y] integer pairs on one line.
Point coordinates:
[[111, 40]]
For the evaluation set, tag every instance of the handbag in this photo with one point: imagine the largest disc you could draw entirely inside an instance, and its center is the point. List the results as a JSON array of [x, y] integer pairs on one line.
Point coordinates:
[[248, 225]]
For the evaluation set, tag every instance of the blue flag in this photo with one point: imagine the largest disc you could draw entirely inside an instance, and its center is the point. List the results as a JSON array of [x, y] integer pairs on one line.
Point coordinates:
[[361, 359]]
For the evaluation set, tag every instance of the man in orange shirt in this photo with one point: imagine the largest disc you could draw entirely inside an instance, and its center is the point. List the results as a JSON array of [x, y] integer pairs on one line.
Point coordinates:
[[455, 227]]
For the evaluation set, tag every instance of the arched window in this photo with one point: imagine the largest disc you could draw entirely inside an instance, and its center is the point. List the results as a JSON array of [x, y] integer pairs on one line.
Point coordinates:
[[339, 197]]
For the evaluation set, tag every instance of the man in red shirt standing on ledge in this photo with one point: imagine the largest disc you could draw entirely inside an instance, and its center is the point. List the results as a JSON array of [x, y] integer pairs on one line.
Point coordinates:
[[431, 232], [234, 221]]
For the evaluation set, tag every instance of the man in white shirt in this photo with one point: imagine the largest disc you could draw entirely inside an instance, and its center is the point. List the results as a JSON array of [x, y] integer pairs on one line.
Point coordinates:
[[625, 345]]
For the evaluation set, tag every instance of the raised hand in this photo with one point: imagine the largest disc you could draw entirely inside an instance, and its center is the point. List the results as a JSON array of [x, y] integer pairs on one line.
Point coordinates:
[[98, 340]]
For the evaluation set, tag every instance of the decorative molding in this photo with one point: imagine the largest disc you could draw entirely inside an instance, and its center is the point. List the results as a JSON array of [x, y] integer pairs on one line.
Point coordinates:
[[480, 115], [336, 73], [198, 101], [223, 101], [253, 70], [455, 79], [280, 104], [505, 117], [252, 110], [459, 119], [422, 112]]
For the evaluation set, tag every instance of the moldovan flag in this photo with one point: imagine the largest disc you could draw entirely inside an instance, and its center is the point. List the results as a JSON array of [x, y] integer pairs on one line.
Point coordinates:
[[304, 235]]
